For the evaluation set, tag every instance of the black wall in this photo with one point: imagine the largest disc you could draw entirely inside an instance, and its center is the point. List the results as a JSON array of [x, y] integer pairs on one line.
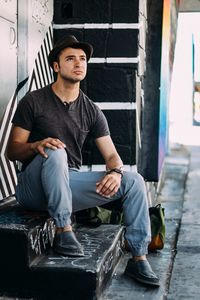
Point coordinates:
[[114, 82], [148, 155], [107, 82]]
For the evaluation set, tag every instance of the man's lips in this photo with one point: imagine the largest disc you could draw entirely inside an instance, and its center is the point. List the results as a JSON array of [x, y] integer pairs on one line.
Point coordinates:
[[78, 72]]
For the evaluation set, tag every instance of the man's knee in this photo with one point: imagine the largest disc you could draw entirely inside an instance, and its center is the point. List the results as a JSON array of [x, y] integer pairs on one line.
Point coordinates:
[[134, 179], [58, 157]]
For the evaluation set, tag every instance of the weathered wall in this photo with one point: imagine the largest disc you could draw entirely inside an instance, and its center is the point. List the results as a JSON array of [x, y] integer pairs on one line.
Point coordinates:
[[8, 53], [26, 38]]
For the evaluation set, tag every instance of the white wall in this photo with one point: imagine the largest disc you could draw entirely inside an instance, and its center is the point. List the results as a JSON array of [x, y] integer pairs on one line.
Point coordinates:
[[181, 128], [8, 52], [34, 19]]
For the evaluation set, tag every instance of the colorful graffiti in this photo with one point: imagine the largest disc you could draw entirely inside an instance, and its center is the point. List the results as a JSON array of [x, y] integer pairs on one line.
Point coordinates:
[[170, 13]]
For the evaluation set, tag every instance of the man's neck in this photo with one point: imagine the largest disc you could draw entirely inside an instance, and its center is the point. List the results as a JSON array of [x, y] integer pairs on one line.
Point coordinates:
[[66, 92]]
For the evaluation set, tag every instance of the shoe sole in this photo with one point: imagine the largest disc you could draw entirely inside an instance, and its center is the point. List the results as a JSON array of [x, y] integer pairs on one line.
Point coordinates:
[[156, 284], [68, 253]]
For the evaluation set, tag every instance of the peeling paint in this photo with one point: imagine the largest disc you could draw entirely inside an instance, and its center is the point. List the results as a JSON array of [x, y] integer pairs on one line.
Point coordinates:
[[42, 237], [40, 11]]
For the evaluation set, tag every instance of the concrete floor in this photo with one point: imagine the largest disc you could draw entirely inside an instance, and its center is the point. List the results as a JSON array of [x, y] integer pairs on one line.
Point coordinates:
[[178, 264]]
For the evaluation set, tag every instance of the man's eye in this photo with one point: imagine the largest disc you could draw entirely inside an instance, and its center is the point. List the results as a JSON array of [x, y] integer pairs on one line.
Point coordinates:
[[69, 58]]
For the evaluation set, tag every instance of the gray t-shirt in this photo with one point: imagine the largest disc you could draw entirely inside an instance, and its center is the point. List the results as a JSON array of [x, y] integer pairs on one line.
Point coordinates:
[[44, 115]]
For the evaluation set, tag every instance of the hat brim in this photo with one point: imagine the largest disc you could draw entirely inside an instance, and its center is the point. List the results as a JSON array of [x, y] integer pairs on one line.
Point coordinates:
[[86, 47]]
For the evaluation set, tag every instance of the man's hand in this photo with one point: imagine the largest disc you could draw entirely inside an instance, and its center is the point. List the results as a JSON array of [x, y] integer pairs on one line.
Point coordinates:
[[109, 185], [51, 143], [18, 147]]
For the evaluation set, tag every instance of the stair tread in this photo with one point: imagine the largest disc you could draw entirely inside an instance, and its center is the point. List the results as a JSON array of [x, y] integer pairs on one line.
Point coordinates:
[[33, 268], [29, 233], [97, 243], [14, 217]]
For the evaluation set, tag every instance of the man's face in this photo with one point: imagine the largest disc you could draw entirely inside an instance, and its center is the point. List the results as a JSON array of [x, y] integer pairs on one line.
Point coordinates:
[[72, 65]]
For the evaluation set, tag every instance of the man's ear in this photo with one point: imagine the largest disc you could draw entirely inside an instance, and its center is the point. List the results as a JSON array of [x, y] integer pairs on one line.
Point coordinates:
[[55, 66]]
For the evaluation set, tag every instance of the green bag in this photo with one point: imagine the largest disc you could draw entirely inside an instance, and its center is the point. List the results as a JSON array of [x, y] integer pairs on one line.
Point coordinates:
[[157, 218], [96, 216]]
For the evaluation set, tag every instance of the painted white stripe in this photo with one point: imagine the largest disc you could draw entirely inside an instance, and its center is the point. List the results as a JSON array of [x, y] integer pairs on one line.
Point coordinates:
[[4, 184], [138, 110], [122, 60], [38, 77], [42, 67], [48, 37], [7, 173], [97, 60], [13, 171], [138, 130], [116, 60], [33, 86], [5, 118], [116, 105], [98, 26], [42, 79], [4, 161], [128, 168], [9, 127], [126, 25], [49, 73], [2, 152]]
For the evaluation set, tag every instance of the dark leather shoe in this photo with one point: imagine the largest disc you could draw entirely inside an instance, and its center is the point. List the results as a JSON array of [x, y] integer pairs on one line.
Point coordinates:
[[66, 243], [141, 271]]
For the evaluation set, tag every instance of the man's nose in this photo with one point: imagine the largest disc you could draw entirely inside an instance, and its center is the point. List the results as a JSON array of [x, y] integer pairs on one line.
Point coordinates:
[[77, 62]]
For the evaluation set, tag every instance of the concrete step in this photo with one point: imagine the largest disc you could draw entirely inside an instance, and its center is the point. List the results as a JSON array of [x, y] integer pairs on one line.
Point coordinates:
[[24, 235], [29, 268], [80, 278]]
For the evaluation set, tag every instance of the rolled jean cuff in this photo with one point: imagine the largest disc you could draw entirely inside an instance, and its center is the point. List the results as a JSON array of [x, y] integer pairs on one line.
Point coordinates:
[[62, 220], [138, 241], [138, 250]]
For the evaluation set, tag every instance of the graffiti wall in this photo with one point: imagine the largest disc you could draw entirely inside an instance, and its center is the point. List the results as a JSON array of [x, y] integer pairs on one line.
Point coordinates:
[[170, 16], [26, 38]]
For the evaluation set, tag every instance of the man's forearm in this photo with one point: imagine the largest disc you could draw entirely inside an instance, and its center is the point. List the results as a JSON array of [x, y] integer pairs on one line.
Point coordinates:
[[20, 151], [113, 162], [23, 151]]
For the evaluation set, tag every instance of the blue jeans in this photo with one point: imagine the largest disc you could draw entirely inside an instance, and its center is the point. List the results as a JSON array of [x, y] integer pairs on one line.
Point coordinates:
[[48, 184]]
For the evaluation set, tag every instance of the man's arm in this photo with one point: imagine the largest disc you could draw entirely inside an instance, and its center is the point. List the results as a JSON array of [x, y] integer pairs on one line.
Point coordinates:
[[19, 148], [110, 183]]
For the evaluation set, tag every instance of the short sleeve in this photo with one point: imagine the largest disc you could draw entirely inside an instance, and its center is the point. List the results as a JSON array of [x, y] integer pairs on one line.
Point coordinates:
[[100, 127], [24, 114]]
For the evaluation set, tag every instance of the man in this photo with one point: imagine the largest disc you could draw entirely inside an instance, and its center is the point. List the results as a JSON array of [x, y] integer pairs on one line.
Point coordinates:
[[49, 128]]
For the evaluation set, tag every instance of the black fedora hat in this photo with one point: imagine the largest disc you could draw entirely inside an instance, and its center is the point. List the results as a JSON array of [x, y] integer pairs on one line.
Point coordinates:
[[72, 42]]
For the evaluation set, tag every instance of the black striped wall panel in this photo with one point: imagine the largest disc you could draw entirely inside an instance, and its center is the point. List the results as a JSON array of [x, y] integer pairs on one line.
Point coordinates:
[[95, 11], [109, 83], [123, 132], [149, 153], [7, 168], [112, 27], [106, 42]]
